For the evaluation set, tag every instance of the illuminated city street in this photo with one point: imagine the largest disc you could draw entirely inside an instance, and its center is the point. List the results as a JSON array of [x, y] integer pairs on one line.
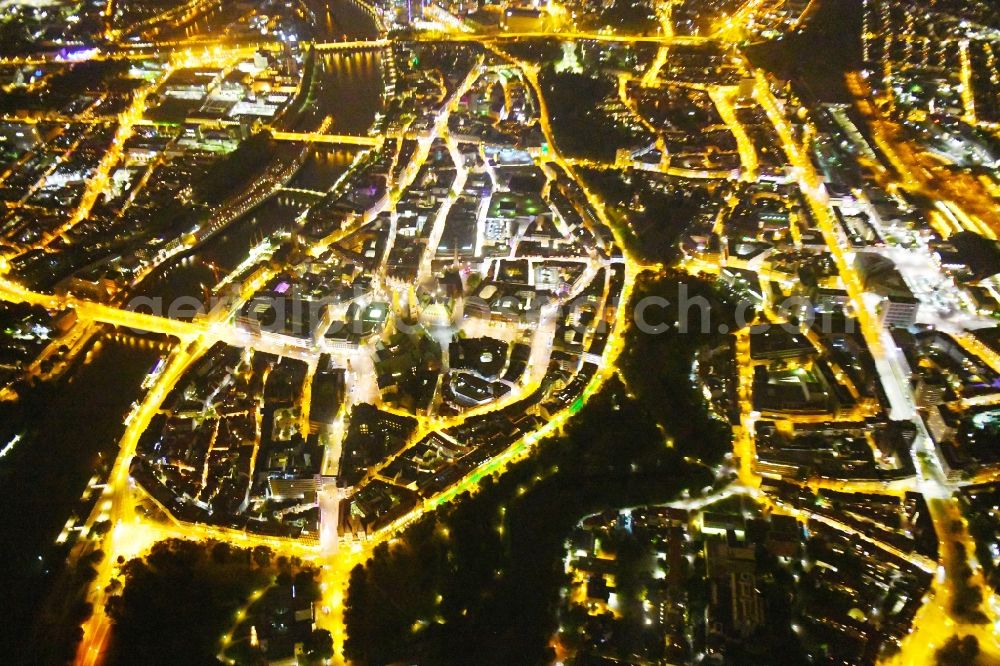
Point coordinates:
[[672, 324]]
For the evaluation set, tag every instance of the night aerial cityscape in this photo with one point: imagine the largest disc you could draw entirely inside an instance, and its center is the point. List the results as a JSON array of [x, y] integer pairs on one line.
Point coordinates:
[[510, 332]]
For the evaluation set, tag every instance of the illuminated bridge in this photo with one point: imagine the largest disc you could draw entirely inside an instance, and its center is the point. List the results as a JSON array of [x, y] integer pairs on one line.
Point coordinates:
[[344, 139], [352, 45], [208, 327]]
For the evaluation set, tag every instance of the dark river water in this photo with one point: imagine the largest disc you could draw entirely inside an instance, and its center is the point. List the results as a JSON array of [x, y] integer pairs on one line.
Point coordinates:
[[69, 429]]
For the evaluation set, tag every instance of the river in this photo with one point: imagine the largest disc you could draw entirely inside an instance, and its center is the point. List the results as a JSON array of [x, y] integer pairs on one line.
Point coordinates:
[[350, 90], [68, 430]]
